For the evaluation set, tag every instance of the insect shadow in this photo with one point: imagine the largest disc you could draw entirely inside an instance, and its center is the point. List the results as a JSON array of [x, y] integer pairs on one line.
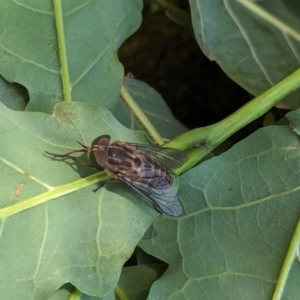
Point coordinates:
[[83, 166]]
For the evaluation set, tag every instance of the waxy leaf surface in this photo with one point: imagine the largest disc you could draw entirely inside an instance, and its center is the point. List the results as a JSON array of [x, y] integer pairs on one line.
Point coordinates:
[[241, 212], [81, 237], [30, 51], [250, 50]]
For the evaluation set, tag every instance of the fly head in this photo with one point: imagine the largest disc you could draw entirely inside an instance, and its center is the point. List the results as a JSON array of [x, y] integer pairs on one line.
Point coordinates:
[[98, 154]]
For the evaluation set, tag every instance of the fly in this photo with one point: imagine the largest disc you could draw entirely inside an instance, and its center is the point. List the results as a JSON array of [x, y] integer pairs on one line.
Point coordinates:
[[145, 168]]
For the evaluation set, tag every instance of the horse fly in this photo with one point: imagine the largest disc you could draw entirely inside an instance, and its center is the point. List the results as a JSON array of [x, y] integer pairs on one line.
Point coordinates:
[[145, 168]]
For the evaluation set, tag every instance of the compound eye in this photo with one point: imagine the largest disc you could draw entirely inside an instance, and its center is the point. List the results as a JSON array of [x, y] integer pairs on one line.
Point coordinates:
[[98, 155], [102, 140], [98, 159]]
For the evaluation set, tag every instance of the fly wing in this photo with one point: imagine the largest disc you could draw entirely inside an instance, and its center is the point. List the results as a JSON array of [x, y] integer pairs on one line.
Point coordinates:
[[156, 189], [164, 201], [171, 158]]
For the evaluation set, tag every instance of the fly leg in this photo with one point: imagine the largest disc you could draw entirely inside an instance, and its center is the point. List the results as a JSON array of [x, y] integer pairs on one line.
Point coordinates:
[[113, 180]]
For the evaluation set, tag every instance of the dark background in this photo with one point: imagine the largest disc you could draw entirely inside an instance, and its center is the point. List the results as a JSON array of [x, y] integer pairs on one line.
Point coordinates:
[[166, 56]]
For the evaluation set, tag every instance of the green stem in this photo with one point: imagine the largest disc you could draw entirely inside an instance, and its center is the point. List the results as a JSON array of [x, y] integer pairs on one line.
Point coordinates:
[[141, 116], [75, 295], [201, 141], [51, 194], [287, 264], [120, 293], [62, 50]]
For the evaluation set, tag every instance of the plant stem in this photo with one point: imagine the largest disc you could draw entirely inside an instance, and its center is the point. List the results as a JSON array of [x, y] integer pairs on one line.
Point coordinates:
[[51, 194], [287, 264], [120, 293], [75, 295], [201, 141], [141, 116], [62, 50]]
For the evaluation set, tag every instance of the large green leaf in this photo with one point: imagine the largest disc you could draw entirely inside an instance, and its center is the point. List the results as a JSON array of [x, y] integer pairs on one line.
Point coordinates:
[[154, 107], [83, 237], [93, 31], [12, 95], [251, 51], [136, 281], [241, 210]]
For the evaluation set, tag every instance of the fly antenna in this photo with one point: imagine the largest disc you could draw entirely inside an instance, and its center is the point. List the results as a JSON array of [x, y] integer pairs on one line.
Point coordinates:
[[83, 146]]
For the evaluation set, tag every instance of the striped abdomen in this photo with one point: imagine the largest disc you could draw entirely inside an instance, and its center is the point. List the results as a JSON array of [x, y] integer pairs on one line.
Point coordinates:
[[126, 161]]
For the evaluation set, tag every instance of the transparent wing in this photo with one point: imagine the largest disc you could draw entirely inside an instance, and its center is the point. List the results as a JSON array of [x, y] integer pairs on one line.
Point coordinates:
[[171, 158], [156, 189], [164, 201]]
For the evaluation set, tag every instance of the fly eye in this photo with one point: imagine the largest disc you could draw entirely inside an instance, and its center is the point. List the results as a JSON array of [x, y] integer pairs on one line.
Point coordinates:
[[98, 159], [101, 141], [98, 156]]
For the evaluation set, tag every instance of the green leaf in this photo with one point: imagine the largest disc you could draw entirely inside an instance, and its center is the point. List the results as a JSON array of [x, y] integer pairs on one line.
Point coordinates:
[[145, 258], [61, 294], [93, 32], [241, 211], [294, 119], [153, 105], [251, 51], [83, 237], [13, 95], [136, 281]]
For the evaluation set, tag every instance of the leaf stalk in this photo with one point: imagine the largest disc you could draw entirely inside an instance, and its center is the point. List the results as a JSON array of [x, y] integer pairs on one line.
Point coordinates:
[[52, 194], [200, 141], [62, 50], [287, 264], [141, 116]]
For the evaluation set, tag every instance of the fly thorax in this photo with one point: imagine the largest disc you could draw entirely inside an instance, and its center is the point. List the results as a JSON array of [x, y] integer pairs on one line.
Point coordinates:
[[120, 158]]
